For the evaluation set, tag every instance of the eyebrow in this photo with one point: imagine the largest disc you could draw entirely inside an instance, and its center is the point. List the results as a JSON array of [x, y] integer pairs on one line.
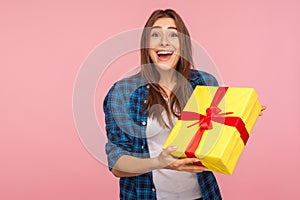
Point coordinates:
[[170, 27]]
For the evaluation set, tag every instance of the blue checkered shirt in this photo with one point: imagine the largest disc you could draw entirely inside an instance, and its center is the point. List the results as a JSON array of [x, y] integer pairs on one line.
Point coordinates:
[[126, 121]]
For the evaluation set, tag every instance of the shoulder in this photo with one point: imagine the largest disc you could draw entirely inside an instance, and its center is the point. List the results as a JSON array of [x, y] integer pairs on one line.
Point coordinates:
[[198, 77], [125, 88], [131, 83]]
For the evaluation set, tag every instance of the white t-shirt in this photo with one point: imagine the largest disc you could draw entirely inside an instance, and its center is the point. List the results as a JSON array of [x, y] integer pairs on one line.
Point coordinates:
[[169, 184]]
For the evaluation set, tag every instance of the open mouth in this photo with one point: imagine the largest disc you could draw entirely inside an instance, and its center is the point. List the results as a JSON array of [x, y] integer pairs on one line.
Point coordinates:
[[164, 55]]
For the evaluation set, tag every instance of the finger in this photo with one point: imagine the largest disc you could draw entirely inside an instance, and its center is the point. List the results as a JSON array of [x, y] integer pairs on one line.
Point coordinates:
[[262, 109], [169, 150], [192, 168], [190, 160], [186, 161]]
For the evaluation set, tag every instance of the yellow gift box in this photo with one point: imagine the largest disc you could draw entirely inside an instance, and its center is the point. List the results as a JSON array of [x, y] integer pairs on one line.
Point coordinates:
[[214, 126]]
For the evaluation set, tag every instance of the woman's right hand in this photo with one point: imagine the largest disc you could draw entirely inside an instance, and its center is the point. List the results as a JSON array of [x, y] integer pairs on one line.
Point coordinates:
[[167, 161]]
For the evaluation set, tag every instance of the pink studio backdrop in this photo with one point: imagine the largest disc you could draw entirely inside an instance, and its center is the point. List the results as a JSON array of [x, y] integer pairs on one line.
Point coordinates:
[[43, 44]]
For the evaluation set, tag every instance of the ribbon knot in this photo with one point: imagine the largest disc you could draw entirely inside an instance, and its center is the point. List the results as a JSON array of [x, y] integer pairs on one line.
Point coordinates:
[[205, 122], [212, 110]]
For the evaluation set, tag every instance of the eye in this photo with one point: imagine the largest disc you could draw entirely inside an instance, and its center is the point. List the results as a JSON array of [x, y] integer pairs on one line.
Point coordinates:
[[154, 34], [173, 35]]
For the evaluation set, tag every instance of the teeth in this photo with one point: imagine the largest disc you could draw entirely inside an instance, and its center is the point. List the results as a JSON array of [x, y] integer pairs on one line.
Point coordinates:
[[164, 52]]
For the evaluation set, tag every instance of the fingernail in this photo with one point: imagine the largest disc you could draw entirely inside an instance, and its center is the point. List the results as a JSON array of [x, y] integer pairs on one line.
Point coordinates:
[[174, 147], [197, 160]]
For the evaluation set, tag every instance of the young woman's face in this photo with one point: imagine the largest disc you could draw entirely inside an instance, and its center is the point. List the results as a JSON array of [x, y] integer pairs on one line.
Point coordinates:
[[164, 43]]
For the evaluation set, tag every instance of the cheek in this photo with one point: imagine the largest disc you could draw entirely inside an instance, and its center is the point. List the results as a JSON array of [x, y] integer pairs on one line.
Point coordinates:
[[175, 42], [176, 59], [153, 43], [177, 50], [152, 55]]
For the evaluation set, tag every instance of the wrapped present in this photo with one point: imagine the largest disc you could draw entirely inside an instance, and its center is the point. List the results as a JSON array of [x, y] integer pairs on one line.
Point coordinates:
[[214, 126]]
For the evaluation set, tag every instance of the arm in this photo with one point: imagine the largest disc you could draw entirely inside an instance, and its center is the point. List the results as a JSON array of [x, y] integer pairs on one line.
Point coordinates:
[[127, 166]]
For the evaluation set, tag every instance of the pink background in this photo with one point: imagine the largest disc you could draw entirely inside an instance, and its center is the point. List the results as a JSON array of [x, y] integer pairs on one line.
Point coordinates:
[[43, 43]]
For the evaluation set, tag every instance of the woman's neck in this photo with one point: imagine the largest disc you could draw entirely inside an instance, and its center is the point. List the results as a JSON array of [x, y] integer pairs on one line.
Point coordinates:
[[167, 80]]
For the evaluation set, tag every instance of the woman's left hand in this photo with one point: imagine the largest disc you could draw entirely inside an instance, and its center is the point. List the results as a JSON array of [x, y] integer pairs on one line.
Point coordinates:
[[262, 109]]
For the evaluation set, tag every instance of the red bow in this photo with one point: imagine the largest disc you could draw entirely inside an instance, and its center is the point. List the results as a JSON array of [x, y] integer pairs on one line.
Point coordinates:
[[213, 113]]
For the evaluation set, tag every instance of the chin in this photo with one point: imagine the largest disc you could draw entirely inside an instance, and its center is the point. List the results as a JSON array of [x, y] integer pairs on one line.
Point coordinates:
[[164, 67]]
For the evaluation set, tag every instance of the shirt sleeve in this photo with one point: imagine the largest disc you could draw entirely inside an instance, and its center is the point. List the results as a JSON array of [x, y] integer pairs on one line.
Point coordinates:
[[203, 78], [117, 125], [210, 80]]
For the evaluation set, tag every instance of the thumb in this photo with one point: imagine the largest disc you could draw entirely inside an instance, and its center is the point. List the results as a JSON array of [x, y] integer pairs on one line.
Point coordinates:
[[169, 150]]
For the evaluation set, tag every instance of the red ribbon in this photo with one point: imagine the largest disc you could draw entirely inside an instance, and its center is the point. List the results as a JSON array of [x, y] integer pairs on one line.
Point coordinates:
[[212, 114]]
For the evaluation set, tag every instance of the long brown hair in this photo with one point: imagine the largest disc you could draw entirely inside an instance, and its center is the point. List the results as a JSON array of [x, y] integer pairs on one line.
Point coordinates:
[[181, 91]]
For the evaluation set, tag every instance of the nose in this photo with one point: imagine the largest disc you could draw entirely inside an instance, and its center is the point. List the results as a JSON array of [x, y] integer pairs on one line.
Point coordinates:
[[164, 40]]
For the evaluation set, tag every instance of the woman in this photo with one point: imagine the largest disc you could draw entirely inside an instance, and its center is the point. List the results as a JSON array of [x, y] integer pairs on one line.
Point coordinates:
[[141, 110]]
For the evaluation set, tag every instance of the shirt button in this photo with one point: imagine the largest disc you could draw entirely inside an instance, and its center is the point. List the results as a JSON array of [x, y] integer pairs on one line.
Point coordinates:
[[153, 189], [144, 123], [148, 86], [142, 146], [145, 101]]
